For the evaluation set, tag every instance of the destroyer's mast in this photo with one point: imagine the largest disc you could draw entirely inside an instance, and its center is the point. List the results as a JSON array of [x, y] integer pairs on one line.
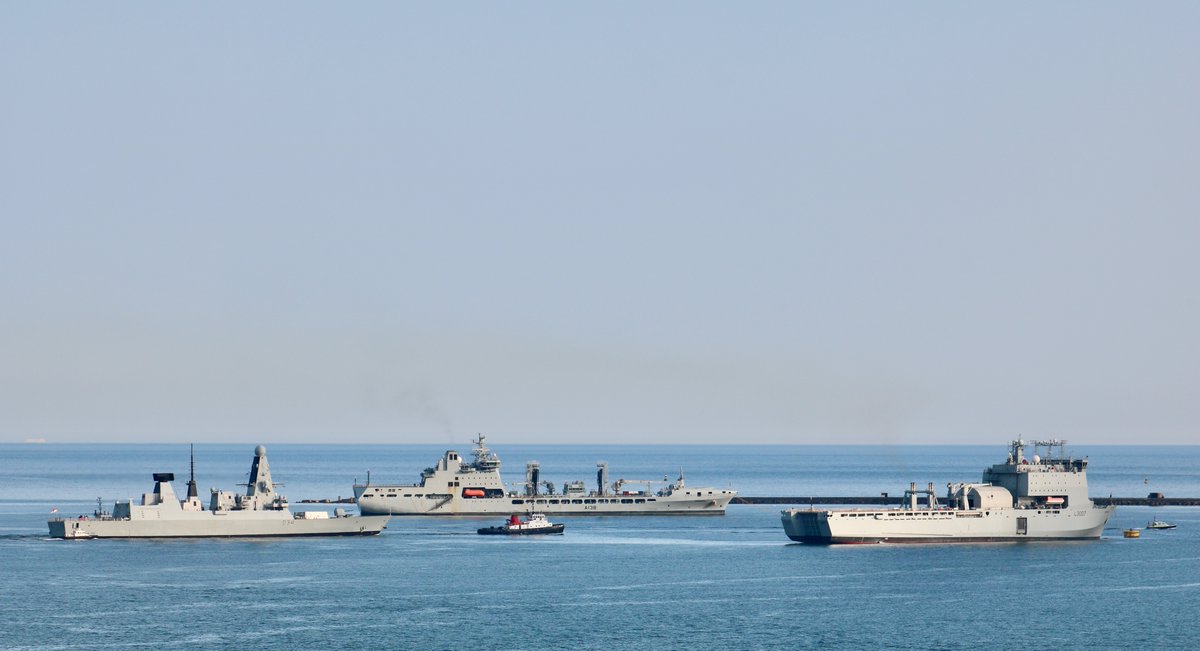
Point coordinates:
[[192, 482]]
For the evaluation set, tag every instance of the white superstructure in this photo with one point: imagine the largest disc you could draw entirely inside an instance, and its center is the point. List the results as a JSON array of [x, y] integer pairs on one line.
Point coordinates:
[[457, 487], [1020, 499]]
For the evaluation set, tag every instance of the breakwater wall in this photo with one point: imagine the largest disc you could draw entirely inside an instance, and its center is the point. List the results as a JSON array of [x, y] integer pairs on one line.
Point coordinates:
[[889, 500], [896, 500]]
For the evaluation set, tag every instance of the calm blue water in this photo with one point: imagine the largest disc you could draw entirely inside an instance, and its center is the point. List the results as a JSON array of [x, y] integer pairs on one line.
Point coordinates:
[[609, 583]]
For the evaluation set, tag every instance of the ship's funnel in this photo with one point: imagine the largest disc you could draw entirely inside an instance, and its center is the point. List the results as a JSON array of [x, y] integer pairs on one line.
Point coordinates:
[[601, 478], [533, 475]]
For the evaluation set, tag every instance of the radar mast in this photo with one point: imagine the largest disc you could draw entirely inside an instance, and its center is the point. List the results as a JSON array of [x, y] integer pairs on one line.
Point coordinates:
[[192, 482]]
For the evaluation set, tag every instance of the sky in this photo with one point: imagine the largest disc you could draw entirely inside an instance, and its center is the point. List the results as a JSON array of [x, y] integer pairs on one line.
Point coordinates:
[[599, 222]]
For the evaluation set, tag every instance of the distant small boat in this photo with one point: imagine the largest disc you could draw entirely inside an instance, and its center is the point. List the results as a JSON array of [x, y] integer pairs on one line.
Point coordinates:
[[1159, 524], [1133, 533], [536, 524]]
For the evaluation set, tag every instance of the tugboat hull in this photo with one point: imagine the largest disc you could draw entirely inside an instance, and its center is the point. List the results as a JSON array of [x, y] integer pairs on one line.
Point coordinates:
[[505, 531]]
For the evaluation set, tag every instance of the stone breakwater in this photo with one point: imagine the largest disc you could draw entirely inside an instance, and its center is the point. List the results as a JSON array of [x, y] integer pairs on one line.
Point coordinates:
[[897, 500], [887, 500]]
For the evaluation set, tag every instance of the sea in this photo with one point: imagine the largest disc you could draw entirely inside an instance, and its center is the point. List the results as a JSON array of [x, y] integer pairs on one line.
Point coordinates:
[[615, 582]]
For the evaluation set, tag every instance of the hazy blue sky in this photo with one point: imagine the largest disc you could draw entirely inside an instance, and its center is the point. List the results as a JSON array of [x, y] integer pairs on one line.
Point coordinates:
[[615, 221]]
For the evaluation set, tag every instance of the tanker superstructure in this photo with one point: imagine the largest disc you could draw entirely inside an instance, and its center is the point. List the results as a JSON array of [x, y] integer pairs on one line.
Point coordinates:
[[258, 512], [1041, 498], [457, 487]]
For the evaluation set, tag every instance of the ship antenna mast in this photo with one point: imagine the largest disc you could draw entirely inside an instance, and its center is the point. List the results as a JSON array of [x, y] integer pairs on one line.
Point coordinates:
[[192, 460]]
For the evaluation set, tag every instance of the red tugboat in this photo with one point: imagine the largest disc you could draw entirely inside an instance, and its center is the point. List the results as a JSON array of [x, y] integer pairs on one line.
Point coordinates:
[[536, 524]]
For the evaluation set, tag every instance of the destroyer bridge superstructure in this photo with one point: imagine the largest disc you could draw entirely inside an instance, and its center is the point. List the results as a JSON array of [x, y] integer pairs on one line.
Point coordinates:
[[259, 511], [457, 487], [1038, 498]]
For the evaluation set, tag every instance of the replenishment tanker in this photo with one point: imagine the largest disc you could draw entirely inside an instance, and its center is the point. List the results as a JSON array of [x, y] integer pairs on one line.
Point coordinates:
[[457, 487], [260, 511], [1041, 498]]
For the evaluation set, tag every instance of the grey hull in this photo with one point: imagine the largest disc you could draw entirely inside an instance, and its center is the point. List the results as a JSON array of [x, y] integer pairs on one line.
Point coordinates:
[[943, 526], [456, 505], [214, 526]]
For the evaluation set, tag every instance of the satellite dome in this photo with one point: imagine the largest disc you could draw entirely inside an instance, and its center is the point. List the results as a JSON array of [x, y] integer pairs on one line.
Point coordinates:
[[260, 451]]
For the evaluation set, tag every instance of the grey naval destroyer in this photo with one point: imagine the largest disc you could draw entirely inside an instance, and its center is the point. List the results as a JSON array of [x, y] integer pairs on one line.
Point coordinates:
[[260, 511], [1040, 498], [457, 487]]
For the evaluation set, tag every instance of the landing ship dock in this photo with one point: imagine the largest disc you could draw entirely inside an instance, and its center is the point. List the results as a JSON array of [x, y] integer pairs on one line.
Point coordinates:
[[1036, 498]]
